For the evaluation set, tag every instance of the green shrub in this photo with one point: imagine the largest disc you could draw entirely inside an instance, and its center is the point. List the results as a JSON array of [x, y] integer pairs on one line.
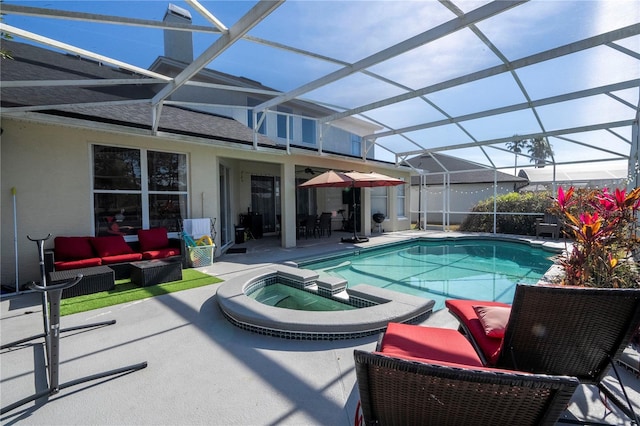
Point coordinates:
[[529, 202]]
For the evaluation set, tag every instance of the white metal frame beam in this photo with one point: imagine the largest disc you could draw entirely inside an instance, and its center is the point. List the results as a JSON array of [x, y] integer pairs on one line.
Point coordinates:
[[516, 107], [103, 19], [14, 31], [254, 16], [567, 49], [430, 35]]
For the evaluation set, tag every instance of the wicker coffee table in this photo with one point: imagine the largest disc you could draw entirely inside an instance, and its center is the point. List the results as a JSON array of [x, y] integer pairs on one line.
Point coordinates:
[[152, 272], [95, 279]]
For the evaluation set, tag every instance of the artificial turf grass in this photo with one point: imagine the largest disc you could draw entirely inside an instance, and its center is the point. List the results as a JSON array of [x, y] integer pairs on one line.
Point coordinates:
[[125, 291]]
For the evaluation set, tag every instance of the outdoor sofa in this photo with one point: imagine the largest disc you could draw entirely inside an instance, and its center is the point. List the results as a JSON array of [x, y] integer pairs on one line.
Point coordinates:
[[112, 251]]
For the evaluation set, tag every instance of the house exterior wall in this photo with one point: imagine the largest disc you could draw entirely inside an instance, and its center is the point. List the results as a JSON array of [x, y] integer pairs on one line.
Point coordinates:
[[334, 139], [462, 199], [49, 164]]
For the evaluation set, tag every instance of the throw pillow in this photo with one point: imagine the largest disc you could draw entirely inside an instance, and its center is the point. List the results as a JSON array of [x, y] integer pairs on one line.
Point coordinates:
[[153, 239], [494, 319], [110, 246], [73, 248]]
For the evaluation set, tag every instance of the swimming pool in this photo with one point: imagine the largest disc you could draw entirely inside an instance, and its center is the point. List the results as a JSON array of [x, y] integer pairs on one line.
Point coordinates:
[[462, 268]]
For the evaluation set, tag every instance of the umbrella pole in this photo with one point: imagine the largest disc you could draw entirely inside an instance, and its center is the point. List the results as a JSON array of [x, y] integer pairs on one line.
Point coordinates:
[[353, 196], [355, 238]]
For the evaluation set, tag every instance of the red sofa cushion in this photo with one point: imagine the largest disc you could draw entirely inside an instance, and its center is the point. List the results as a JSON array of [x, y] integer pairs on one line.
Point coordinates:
[[121, 258], [428, 343], [153, 239], [63, 265], [161, 254], [73, 248], [110, 246], [463, 310]]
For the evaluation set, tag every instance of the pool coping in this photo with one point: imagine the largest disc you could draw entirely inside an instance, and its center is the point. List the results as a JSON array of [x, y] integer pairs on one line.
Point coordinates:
[[249, 314], [551, 246], [246, 313]]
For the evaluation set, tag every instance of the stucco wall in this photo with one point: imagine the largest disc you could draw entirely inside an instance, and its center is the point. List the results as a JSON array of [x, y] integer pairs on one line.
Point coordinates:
[[50, 167]]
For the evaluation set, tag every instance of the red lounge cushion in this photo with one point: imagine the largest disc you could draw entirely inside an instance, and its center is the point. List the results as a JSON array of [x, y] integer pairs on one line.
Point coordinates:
[[161, 254], [494, 319], [75, 264], [73, 248], [429, 343], [453, 364], [110, 246], [121, 258], [153, 239], [463, 310]]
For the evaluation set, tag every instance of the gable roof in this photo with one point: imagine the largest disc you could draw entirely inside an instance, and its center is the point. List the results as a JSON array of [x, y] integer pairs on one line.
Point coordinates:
[[461, 171], [125, 105]]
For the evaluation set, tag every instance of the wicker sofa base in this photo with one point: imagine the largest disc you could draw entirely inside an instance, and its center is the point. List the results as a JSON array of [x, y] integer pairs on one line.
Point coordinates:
[[95, 279]]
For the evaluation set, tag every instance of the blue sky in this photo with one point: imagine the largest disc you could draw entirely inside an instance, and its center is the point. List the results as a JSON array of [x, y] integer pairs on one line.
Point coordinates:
[[352, 30]]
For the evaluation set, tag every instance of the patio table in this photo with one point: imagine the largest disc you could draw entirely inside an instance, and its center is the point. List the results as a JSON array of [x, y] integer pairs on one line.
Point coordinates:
[[95, 279], [152, 272]]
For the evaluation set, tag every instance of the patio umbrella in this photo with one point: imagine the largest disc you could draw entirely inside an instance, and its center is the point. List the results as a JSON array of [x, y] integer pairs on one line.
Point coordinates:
[[328, 179], [354, 179]]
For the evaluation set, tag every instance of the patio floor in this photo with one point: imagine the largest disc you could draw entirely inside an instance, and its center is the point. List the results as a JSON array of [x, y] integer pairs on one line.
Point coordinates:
[[201, 369]]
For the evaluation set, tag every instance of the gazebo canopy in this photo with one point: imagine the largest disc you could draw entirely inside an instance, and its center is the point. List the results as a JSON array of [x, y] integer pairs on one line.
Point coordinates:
[[461, 77]]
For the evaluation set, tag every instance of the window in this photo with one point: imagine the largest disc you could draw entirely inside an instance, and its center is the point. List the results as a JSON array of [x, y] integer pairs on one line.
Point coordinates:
[[137, 189], [263, 125], [356, 145], [400, 200], [379, 200], [308, 131], [283, 119]]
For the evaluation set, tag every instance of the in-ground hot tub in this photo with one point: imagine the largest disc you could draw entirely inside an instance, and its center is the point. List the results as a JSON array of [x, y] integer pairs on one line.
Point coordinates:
[[375, 307]]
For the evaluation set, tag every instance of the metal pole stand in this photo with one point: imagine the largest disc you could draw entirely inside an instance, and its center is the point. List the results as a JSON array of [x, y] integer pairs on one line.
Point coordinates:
[[51, 319]]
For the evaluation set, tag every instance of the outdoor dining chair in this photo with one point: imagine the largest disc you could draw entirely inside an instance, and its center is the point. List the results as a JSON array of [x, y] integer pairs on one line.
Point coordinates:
[[324, 224]]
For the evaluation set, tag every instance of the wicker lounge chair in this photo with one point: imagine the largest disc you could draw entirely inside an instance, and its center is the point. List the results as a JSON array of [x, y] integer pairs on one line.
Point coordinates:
[[395, 391], [570, 331]]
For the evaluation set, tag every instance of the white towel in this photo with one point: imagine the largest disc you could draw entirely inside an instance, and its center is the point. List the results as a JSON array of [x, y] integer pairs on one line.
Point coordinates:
[[197, 228]]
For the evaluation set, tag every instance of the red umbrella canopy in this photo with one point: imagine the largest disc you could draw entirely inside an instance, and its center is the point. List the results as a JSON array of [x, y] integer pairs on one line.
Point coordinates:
[[372, 179], [335, 179], [328, 179]]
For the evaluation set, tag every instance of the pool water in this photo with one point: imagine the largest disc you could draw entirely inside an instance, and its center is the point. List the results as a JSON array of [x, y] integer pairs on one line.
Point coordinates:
[[284, 296], [440, 270]]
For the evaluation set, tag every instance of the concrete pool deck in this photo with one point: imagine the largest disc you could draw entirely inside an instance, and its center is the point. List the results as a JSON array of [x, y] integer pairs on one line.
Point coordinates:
[[202, 369]]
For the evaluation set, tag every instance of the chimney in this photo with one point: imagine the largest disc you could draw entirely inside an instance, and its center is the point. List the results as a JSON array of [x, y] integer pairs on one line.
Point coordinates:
[[178, 45]]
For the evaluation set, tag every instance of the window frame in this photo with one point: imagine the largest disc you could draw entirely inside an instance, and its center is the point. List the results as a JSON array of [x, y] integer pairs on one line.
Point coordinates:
[[143, 192]]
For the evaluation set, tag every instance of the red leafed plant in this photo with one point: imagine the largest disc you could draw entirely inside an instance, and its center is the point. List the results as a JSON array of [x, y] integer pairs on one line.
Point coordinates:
[[603, 226]]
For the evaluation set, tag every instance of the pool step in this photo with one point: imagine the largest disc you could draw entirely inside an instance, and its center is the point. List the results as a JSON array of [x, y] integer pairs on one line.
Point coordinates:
[[331, 285]]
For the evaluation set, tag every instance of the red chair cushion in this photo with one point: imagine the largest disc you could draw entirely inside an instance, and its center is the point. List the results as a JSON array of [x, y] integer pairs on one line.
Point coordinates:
[[161, 254], [153, 239], [121, 258], [428, 343], [75, 264], [73, 248], [463, 310], [110, 246]]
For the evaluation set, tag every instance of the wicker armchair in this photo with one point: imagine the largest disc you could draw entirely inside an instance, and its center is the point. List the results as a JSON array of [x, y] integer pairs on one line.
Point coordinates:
[[570, 331], [396, 391]]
